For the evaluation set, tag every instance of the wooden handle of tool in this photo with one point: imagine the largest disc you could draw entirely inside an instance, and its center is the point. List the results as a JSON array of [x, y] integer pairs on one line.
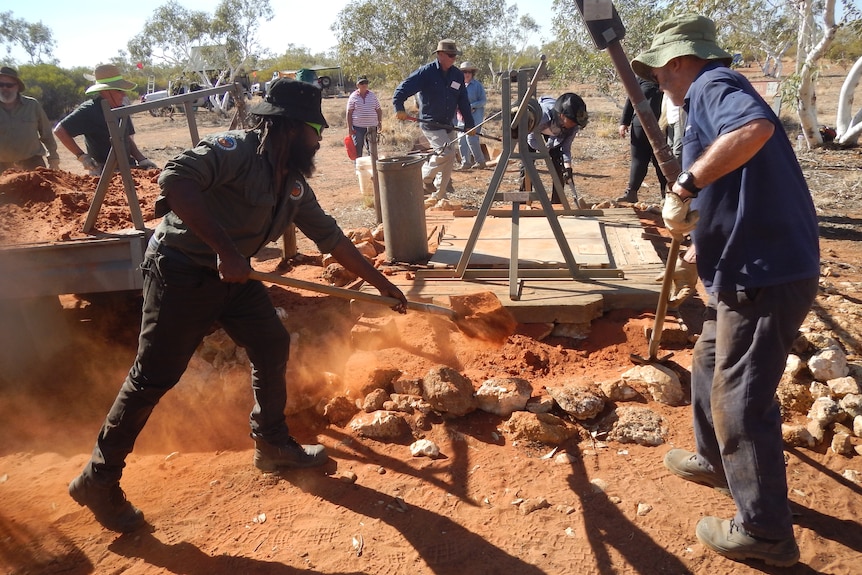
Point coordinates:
[[664, 296], [349, 294]]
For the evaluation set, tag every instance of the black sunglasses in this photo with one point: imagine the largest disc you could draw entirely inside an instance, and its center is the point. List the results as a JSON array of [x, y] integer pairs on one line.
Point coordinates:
[[8, 84]]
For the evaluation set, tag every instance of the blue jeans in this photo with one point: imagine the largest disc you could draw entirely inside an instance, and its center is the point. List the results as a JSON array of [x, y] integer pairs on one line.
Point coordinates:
[[182, 301], [359, 138], [737, 364]]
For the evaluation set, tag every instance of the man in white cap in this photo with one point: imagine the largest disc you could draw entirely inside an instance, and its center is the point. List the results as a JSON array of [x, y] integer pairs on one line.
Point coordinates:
[[441, 90], [222, 201], [88, 120], [22, 146], [743, 198]]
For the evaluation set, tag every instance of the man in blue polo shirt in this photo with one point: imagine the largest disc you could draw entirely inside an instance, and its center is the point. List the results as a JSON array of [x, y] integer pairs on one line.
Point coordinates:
[[440, 85], [758, 257]]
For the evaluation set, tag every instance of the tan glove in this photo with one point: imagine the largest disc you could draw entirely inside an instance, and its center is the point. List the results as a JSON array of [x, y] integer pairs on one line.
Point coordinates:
[[54, 163], [147, 164], [401, 115], [88, 162], [678, 219]]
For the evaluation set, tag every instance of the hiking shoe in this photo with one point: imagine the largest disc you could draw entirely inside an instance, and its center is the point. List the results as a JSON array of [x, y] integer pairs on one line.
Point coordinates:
[[628, 198], [728, 539], [462, 168], [269, 457], [686, 465], [108, 504], [480, 166], [428, 189]]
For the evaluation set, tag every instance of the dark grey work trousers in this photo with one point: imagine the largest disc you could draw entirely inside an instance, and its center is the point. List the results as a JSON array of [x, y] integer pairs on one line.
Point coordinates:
[[641, 156], [182, 302], [737, 364]]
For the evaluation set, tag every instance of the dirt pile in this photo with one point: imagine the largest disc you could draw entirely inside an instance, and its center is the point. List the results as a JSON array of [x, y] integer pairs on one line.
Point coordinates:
[[52, 205]]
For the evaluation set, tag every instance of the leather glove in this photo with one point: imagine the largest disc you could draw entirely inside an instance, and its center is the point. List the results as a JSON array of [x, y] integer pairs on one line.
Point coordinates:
[[54, 163], [88, 162], [147, 164], [401, 115], [678, 218]]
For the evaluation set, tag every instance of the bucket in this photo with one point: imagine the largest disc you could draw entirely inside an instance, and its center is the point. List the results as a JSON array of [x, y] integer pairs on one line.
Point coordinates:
[[402, 206], [366, 179]]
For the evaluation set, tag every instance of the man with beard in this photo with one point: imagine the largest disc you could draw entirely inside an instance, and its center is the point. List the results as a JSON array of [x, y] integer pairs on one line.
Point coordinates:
[[222, 201]]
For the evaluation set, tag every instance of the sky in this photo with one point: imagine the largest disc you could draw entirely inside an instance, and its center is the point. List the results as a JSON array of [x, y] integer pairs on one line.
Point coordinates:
[[89, 32]]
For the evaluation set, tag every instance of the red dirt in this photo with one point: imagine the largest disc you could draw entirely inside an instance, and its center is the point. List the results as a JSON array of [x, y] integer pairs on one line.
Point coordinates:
[[212, 513]]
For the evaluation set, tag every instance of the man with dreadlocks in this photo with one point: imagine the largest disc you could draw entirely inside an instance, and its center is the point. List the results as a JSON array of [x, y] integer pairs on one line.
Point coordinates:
[[222, 201]]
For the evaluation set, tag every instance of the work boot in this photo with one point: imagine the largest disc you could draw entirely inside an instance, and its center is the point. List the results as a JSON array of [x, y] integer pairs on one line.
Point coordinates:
[[428, 188], [687, 465], [480, 166], [463, 168], [727, 538], [270, 457], [108, 504], [629, 197]]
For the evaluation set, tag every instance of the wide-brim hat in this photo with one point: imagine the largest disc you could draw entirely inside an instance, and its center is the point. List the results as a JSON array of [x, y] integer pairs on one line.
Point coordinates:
[[292, 99], [467, 66], [447, 45], [684, 35], [108, 77], [13, 73]]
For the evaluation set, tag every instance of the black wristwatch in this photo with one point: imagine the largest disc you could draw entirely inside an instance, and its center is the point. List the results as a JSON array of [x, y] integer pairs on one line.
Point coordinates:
[[686, 181]]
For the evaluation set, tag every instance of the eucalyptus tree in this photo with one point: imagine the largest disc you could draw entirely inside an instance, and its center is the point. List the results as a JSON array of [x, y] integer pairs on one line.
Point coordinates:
[[214, 49], [34, 38], [391, 39]]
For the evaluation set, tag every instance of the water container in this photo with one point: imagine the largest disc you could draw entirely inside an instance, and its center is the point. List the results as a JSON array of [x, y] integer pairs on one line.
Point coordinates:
[[366, 179], [402, 203]]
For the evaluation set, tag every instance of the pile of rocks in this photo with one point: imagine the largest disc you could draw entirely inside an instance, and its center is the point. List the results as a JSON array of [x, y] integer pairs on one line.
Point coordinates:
[[820, 383]]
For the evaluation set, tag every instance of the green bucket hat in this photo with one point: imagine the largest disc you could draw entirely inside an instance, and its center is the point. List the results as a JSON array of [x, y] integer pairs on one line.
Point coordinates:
[[685, 35]]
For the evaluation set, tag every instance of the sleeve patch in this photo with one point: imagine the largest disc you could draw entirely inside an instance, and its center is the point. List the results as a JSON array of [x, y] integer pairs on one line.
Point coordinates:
[[227, 143], [297, 191]]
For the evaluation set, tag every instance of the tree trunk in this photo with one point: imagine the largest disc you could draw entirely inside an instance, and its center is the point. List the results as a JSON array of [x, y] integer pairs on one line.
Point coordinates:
[[849, 129]]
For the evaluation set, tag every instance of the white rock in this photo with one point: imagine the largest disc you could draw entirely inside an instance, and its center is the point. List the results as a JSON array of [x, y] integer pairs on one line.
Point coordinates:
[[424, 448], [841, 444], [851, 404], [794, 365], [662, 382], [842, 386], [824, 411], [852, 475], [644, 508], [828, 364], [503, 395], [857, 426]]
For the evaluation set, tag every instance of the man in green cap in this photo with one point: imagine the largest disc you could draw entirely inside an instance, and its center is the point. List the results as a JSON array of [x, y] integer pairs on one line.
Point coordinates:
[[743, 199]]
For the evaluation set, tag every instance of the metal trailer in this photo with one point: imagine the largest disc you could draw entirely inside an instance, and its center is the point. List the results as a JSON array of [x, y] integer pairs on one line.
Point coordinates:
[[101, 262]]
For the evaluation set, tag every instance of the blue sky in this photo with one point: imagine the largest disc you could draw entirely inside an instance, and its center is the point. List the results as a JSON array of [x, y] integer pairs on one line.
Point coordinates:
[[89, 32]]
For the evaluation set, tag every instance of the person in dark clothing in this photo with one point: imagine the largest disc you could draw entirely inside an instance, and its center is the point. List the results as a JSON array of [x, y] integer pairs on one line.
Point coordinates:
[[743, 198], [221, 202], [641, 150]]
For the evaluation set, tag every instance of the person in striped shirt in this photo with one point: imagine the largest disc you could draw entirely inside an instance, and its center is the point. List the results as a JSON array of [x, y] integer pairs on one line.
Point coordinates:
[[363, 112]]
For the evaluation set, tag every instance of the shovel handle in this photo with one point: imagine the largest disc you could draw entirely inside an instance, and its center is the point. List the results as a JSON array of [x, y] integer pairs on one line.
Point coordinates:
[[349, 294]]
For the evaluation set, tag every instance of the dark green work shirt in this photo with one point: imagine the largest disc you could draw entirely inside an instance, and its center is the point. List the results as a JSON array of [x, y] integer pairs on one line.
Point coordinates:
[[239, 189]]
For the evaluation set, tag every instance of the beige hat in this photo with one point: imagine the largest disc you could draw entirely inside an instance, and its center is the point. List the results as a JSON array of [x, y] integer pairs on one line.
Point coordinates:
[[13, 73], [447, 45], [108, 77], [684, 35], [467, 66]]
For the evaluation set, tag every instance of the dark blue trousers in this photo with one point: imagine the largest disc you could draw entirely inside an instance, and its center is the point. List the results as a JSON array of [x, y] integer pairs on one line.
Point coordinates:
[[737, 365], [182, 302]]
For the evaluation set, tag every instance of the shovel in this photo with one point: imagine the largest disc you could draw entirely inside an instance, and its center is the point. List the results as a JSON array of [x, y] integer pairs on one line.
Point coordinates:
[[478, 316], [606, 29]]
